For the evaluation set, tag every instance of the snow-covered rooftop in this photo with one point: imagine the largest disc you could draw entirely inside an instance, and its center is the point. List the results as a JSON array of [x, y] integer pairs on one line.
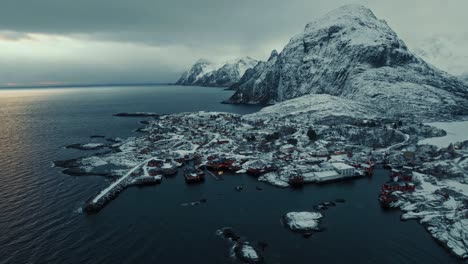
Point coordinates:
[[341, 166]]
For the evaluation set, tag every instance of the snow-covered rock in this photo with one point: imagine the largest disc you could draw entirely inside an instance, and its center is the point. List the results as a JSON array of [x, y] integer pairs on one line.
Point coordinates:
[[351, 54], [92, 145], [303, 221], [206, 73], [241, 249], [246, 253], [274, 179], [86, 146], [441, 206]]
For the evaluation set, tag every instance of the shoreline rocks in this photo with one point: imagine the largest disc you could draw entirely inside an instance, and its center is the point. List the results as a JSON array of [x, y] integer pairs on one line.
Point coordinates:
[[86, 146], [241, 249]]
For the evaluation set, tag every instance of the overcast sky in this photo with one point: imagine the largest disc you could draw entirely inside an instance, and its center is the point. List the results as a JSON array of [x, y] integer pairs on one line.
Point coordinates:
[[115, 41]]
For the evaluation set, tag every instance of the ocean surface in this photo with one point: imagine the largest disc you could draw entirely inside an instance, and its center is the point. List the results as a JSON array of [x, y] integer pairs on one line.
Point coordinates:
[[41, 222]]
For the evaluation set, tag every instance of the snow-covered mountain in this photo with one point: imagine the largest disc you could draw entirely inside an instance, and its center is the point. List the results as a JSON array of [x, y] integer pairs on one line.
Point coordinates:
[[351, 54], [206, 73], [252, 73]]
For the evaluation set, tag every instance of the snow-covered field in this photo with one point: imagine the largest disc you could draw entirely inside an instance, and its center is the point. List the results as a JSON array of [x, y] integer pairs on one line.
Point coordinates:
[[316, 106], [456, 131]]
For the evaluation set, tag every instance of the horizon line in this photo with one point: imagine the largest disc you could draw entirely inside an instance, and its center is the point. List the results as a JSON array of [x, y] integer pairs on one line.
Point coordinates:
[[84, 85]]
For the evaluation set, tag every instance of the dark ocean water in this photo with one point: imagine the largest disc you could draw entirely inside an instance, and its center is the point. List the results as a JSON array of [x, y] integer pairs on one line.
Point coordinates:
[[40, 220]]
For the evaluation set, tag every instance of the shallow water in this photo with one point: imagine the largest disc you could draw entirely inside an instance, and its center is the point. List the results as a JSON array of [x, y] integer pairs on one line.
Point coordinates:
[[456, 132], [41, 222]]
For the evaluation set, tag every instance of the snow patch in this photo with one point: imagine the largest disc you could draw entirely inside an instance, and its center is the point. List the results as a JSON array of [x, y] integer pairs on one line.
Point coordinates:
[[303, 221]]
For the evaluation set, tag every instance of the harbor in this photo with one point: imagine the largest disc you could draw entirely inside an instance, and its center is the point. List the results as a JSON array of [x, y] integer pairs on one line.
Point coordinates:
[[47, 220]]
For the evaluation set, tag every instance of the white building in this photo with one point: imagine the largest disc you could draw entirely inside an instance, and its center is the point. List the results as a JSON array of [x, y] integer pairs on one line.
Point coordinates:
[[325, 166], [309, 177], [329, 175], [344, 169]]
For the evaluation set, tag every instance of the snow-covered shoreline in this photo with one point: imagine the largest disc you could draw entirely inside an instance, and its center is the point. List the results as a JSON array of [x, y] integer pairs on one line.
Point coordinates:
[[442, 207]]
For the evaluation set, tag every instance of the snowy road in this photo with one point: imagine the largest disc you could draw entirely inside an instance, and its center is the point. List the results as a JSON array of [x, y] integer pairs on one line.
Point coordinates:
[[406, 136]]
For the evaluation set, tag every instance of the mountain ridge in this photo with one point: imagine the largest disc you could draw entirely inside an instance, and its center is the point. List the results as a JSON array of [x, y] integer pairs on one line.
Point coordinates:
[[352, 54], [207, 73]]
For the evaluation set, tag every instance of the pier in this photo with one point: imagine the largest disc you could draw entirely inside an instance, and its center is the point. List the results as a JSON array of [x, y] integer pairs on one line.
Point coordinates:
[[111, 191]]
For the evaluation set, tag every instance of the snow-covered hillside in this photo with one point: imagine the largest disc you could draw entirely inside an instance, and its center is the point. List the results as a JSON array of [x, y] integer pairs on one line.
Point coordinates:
[[313, 107], [206, 73], [351, 54]]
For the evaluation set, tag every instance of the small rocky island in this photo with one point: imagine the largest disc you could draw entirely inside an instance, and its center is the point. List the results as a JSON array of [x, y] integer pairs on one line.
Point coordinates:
[[241, 249], [303, 221]]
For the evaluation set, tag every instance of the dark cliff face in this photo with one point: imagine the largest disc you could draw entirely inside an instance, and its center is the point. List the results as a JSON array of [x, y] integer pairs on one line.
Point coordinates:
[[262, 93], [352, 54]]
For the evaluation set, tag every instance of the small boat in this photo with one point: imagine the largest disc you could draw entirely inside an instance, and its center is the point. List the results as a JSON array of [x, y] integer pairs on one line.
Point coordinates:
[[193, 175], [386, 199], [147, 180], [296, 181], [221, 163], [255, 172]]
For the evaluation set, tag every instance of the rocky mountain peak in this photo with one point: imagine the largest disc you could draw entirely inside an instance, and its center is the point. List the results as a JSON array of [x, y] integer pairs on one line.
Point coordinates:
[[202, 61], [352, 54], [206, 73], [273, 55], [346, 13]]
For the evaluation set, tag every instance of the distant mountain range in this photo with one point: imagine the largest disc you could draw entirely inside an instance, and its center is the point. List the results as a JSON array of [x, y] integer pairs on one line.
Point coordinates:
[[206, 73]]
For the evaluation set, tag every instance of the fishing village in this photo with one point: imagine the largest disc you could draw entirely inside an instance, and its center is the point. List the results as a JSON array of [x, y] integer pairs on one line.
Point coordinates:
[[294, 153]]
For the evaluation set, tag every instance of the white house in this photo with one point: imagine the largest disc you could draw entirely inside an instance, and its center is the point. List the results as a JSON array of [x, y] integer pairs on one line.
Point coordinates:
[[344, 169]]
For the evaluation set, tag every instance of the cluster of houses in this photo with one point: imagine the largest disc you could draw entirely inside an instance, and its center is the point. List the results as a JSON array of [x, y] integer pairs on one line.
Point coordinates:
[[213, 143], [286, 154], [226, 142], [401, 180]]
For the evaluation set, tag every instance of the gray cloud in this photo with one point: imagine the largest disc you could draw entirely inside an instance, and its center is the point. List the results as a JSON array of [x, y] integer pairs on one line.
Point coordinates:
[[205, 28]]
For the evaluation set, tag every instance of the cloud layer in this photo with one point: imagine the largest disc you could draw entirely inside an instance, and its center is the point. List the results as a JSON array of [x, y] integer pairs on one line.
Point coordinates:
[[92, 41]]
